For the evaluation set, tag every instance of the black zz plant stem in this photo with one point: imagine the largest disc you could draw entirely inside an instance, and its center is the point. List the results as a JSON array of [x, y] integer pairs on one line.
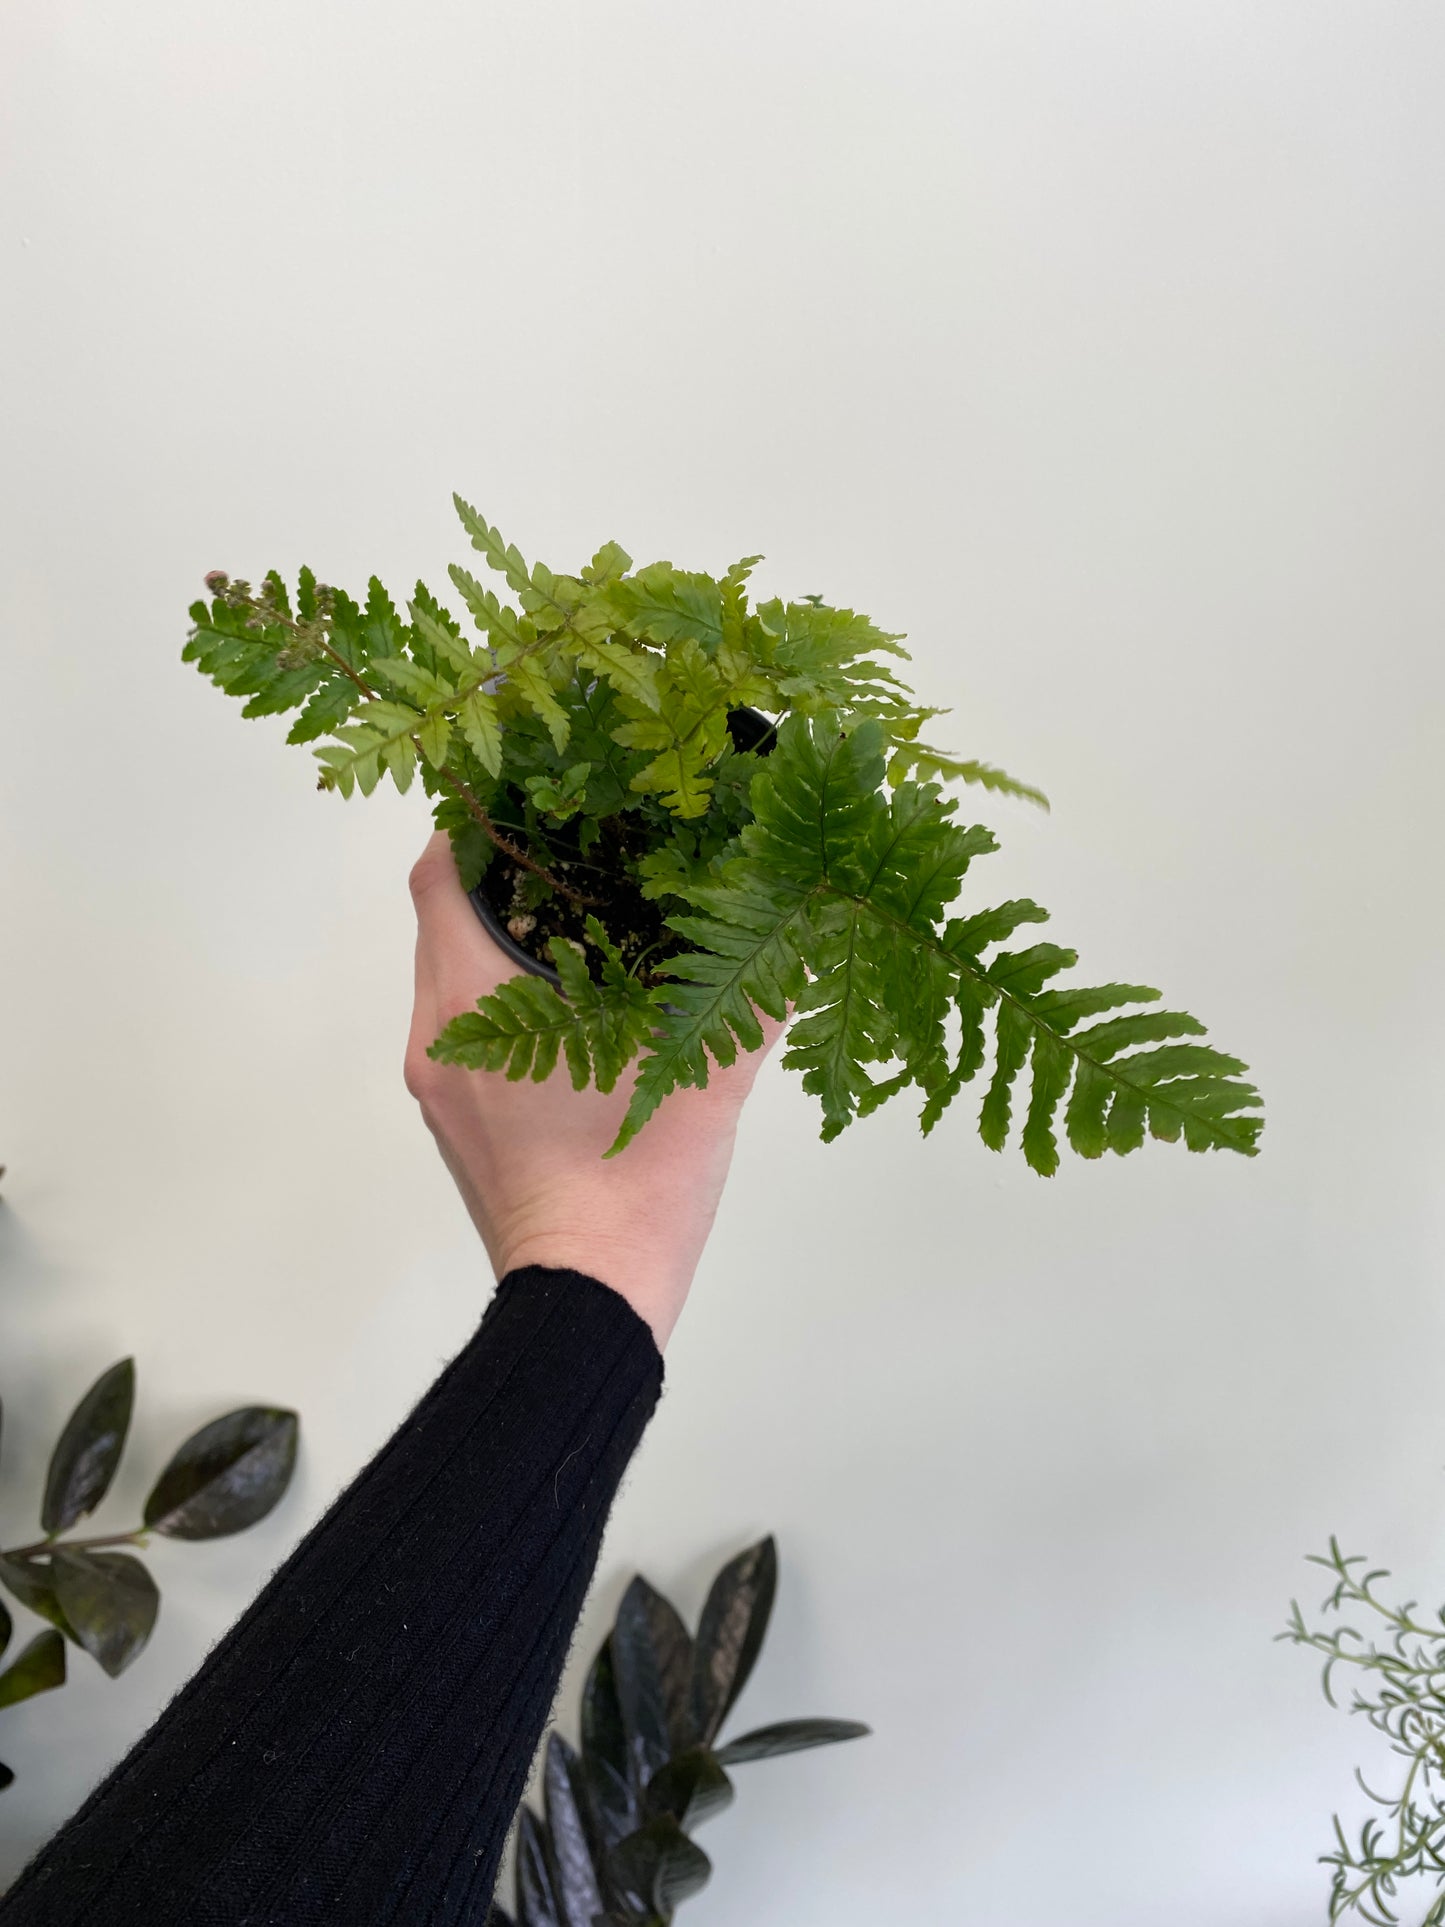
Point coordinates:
[[139, 1537]]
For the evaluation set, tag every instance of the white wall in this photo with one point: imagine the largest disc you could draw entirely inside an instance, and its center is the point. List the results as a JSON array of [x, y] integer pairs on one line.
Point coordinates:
[[1098, 347]]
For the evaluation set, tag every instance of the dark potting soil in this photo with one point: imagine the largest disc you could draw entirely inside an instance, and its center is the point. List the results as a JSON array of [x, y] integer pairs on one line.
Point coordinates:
[[604, 874], [603, 877]]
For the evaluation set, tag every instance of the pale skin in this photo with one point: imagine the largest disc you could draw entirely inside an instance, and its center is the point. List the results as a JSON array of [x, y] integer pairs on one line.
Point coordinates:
[[527, 1158]]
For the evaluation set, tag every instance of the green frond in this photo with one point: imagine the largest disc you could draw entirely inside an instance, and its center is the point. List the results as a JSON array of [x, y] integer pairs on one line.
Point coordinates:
[[435, 635], [379, 739], [325, 709], [422, 686], [526, 1023], [687, 733], [835, 903], [821, 659], [380, 631], [749, 940], [610, 561], [661, 604], [920, 759], [501, 556], [500, 623], [631, 672], [532, 684], [478, 721]]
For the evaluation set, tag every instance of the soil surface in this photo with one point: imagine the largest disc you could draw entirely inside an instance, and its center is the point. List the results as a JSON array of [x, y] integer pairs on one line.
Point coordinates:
[[604, 877]]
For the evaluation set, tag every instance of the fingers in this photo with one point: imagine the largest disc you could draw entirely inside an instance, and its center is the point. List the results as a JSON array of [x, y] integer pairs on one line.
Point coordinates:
[[453, 949]]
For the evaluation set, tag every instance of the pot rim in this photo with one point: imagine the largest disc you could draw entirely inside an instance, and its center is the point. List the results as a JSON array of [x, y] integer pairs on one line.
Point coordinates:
[[505, 941]]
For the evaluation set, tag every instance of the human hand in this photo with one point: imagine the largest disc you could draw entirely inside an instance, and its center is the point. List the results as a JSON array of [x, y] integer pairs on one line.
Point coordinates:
[[528, 1158]]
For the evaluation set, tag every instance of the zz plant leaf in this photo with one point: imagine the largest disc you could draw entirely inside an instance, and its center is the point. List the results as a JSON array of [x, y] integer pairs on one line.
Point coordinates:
[[109, 1601], [38, 1669], [730, 1635], [579, 1896], [88, 1451], [686, 810], [652, 1655], [27, 1576], [788, 1736], [658, 1866], [226, 1476]]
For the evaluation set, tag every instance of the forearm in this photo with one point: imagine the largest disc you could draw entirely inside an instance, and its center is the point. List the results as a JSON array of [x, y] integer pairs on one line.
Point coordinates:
[[355, 1748]]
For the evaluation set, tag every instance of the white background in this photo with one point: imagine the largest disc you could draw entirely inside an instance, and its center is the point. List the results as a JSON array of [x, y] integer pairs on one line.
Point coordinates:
[[1097, 346]]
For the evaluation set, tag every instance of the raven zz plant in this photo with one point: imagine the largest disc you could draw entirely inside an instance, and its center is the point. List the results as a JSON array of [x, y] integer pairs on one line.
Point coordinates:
[[598, 758], [92, 1591], [613, 1846]]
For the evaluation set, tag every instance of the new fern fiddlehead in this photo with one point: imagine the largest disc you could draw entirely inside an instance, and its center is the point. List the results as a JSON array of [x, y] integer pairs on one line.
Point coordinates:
[[581, 756]]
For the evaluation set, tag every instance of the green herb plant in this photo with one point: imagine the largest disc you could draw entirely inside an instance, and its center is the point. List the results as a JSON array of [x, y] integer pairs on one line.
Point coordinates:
[[96, 1595], [1396, 1671], [683, 874], [613, 1846]]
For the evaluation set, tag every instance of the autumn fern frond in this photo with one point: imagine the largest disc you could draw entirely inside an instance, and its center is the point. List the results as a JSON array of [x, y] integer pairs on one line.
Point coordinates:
[[525, 1024], [835, 902]]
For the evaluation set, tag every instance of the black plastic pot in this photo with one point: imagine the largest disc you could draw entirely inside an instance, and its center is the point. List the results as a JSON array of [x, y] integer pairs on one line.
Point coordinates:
[[749, 729], [502, 937]]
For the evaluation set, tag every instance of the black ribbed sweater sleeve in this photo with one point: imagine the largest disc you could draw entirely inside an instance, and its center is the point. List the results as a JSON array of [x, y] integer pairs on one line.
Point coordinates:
[[353, 1751]]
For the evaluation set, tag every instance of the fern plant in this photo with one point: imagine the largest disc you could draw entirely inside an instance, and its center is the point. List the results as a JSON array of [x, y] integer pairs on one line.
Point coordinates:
[[613, 1845], [671, 863]]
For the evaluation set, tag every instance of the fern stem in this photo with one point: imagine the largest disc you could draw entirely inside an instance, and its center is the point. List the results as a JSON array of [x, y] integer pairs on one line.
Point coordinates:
[[476, 809]]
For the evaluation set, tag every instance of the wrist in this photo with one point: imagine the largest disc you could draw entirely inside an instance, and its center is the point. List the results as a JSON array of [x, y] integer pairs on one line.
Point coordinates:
[[654, 1283]]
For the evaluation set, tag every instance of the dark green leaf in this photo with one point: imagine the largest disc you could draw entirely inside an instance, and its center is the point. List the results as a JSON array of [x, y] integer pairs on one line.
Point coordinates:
[[730, 1634], [32, 1583], [536, 1899], [660, 1864], [110, 1601], [226, 1476], [603, 1735], [788, 1736], [652, 1658], [692, 1787], [84, 1461], [579, 1895], [613, 1806], [39, 1667]]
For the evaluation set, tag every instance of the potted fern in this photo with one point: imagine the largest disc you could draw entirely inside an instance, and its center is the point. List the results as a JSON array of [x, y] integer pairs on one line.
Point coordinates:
[[680, 808]]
